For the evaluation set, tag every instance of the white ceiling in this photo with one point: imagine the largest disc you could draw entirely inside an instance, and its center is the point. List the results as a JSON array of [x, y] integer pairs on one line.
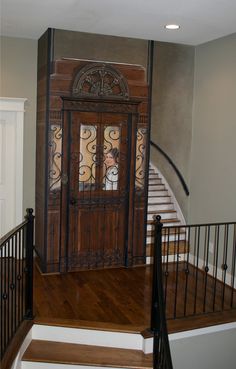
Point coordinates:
[[200, 20]]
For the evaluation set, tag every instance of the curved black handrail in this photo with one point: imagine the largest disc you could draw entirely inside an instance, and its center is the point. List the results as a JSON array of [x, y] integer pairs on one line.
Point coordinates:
[[161, 347], [185, 187]]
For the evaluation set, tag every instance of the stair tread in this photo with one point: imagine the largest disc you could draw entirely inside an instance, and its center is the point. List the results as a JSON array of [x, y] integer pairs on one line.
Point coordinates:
[[156, 195], [70, 353], [162, 196], [172, 247], [163, 203], [162, 211], [181, 231], [170, 220]]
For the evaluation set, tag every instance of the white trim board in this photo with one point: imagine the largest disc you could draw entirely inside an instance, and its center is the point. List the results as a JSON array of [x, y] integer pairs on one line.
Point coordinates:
[[11, 162]]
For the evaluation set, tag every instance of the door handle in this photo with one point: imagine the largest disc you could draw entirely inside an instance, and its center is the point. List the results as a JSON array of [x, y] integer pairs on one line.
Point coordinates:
[[73, 201]]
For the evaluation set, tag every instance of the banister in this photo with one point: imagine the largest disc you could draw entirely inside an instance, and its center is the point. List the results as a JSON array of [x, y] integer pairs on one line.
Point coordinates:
[[161, 348], [170, 161]]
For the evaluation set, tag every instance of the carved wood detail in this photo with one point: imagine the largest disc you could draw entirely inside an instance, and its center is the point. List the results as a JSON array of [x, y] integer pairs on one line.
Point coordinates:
[[100, 80]]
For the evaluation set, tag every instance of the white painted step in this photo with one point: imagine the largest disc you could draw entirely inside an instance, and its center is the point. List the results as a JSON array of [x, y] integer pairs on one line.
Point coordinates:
[[160, 193], [160, 199], [88, 336], [41, 365], [154, 180], [164, 205], [153, 175], [154, 186], [164, 215], [155, 192]]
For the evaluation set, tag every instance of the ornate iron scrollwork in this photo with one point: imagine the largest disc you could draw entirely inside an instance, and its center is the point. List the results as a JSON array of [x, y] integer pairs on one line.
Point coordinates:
[[140, 158], [55, 142], [100, 80]]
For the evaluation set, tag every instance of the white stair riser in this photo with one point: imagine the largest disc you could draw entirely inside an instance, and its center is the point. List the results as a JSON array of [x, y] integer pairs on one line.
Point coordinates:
[[154, 181], [160, 200], [153, 200], [169, 224], [150, 227], [154, 186], [165, 215], [157, 191], [41, 365], [158, 187], [153, 175], [181, 237], [87, 336], [157, 207]]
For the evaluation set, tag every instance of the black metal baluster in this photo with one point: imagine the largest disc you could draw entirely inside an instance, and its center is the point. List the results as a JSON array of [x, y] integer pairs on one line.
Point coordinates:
[[13, 288], [161, 348], [1, 305], [8, 292], [206, 262], [16, 284], [224, 264], [29, 264], [233, 268], [197, 269], [176, 268], [215, 265], [166, 256], [188, 229]]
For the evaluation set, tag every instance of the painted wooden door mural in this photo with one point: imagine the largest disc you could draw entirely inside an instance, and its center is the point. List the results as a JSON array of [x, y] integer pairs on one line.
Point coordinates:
[[98, 189], [91, 214]]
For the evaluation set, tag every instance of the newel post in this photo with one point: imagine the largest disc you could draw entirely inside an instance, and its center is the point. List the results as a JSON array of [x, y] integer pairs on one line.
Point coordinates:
[[29, 264], [155, 323]]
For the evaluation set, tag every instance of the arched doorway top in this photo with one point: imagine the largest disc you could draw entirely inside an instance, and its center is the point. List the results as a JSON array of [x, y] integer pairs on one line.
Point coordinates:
[[100, 80]]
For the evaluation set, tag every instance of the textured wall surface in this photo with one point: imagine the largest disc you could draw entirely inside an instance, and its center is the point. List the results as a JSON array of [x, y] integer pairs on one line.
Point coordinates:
[[172, 101], [213, 173], [100, 47], [19, 79]]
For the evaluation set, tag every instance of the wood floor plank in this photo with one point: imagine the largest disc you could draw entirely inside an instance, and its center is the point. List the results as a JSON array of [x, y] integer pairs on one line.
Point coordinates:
[[67, 353], [122, 297]]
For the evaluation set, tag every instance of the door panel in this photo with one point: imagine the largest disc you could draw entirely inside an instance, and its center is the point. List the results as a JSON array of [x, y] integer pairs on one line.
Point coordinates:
[[98, 190]]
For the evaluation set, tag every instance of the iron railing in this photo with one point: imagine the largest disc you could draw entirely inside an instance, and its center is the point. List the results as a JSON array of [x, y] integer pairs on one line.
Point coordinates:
[[161, 349], [199, 266], [16, 272]]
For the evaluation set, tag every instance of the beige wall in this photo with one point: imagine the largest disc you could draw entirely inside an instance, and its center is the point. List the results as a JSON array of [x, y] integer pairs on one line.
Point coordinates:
[[211, 173], [213, 160], [18, 79], [172, 100]]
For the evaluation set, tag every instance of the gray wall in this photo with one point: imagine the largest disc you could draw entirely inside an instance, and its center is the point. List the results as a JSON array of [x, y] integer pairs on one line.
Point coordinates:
[[172, 100], [213, 159], [19, 79], [205, 351]]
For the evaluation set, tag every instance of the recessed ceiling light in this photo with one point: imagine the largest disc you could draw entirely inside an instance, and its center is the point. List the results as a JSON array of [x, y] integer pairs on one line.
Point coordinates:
[[172, 26]]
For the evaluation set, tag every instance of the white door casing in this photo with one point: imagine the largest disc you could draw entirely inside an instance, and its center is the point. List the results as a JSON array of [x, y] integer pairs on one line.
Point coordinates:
[[11, 163]]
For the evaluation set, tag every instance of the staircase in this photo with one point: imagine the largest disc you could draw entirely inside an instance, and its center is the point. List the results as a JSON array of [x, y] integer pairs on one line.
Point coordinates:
[[71, 348], [161, 202]]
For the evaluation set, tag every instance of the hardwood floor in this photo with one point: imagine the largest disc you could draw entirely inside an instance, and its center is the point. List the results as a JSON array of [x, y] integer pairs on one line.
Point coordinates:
[[121, 298]]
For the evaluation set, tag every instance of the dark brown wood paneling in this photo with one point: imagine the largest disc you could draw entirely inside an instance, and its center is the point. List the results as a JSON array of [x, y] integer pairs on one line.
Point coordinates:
[[41, 145], [63, 74]]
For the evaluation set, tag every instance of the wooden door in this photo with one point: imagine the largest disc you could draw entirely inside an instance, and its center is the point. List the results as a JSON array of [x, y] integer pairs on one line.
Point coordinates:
[[98, 189]]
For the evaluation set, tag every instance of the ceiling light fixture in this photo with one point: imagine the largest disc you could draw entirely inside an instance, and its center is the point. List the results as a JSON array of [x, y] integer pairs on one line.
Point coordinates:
[[172, 26]]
